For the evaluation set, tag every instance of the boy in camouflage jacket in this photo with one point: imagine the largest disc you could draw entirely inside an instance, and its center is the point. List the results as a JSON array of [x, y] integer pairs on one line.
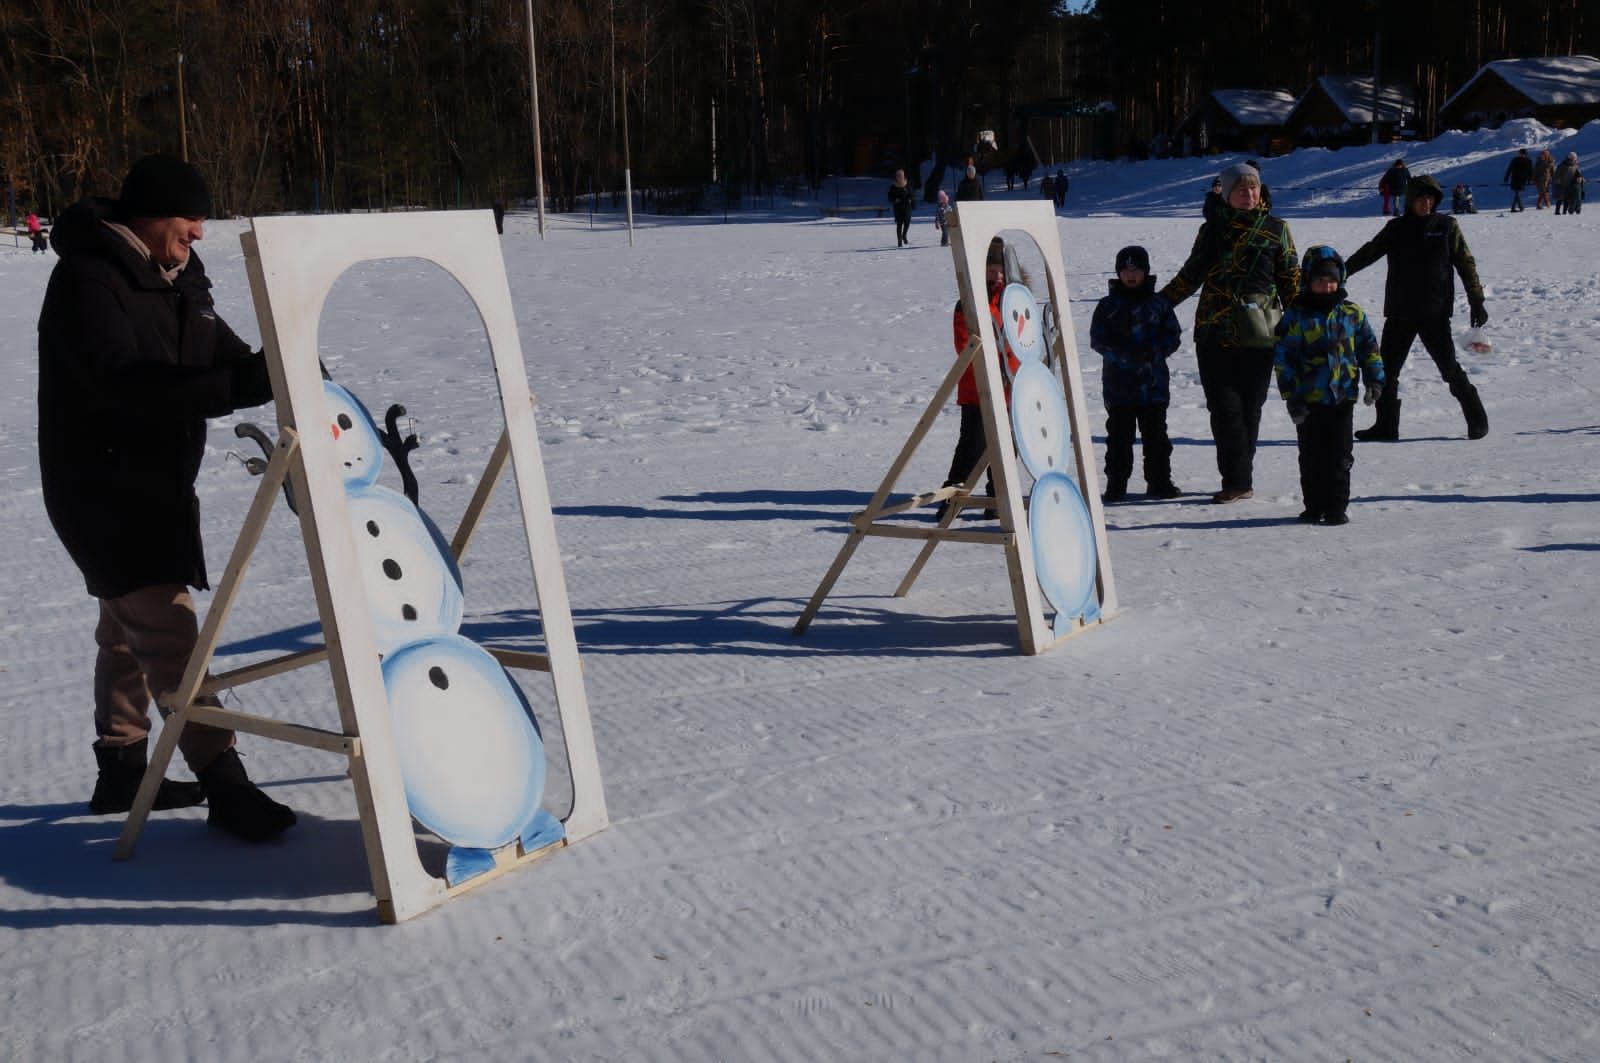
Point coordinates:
[[1135, 330], [1325, 349]]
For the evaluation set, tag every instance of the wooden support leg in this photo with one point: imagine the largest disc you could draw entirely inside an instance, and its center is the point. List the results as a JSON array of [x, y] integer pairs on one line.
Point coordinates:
[[875, 507], [950, 514], [145, 799]]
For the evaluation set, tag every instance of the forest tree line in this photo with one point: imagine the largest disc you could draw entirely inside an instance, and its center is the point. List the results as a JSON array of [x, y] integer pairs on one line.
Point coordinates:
[[358, 104]]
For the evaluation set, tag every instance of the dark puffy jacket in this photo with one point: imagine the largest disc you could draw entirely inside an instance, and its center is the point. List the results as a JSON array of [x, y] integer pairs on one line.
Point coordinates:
[[1241, 252], [1325, 348], [970, 188], [1422, 253], [130, 366], [1134, 330], [902, 199], [1520, 170]]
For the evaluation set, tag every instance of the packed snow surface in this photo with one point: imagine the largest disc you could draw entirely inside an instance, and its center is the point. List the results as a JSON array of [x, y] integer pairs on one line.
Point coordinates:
[[1315, 794]]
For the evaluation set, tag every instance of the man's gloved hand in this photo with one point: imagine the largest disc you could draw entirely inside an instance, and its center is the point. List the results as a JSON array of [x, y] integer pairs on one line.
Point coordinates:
[[1298, 413], [1373, 394], [1479, 316]]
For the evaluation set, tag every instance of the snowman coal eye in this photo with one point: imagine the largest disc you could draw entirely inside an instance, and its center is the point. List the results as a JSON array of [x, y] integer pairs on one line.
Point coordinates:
[[372, 528], [408, 611], [437, 677], [345, 422], [391, 568]]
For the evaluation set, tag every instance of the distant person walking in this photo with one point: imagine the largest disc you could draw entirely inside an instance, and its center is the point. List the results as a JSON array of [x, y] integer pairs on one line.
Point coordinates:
[[971, 186], [1518, 174], [1543, 170], [1423, 247], [902, 200], [1213, 201], [1061, 188], [36, 233], [1393, 187], [1245, 267], [1569, 184]]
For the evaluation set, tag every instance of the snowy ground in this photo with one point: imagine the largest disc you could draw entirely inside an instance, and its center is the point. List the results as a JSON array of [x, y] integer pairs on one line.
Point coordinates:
[[1316, 794]]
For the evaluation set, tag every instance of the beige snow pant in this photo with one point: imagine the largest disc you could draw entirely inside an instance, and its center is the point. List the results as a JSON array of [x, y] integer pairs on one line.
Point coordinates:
[[145, 640]]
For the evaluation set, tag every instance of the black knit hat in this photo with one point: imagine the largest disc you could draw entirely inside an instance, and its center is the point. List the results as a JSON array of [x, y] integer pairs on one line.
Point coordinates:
[[997, 253], [1133, 257], [160, 186]]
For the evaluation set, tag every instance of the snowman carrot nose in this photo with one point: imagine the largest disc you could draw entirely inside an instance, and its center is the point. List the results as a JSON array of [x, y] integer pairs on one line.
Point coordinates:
[[335, 427]]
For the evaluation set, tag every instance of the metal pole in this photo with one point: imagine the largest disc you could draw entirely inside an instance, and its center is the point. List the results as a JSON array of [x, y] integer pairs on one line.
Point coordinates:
[[627, 159], [533, 91], [183, 116]]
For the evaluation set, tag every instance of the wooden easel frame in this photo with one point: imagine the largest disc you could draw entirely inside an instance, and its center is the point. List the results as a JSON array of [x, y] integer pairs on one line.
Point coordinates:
[[292, 264], [972, 225]]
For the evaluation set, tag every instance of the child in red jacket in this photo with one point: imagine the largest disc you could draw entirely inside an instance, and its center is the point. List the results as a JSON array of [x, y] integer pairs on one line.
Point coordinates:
[[970, 443]]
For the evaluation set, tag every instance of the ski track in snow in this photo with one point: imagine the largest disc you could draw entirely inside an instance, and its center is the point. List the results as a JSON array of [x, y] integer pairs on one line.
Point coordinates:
[[1315, 794]]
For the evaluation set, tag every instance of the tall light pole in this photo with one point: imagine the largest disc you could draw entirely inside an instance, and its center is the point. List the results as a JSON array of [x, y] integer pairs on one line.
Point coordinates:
[[627, 158], [533, 90]]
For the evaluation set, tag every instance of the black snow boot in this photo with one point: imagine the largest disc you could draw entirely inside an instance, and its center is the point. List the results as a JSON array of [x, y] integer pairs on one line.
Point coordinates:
[[238, 806], [1471, 407], [1386, 428], [122, 769]]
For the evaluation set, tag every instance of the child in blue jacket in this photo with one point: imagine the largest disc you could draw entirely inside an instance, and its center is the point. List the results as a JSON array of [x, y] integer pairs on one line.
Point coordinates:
[[1326, 348], [1135, 330]]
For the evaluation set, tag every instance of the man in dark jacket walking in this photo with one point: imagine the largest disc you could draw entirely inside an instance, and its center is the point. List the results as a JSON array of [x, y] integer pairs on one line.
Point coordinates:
[[132, 360], [1518, 173], [1423, 248], [901, 200]]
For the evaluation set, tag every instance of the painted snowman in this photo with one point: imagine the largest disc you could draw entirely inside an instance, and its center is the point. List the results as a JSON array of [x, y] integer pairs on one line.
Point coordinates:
[[1059, 524], [470, 751]]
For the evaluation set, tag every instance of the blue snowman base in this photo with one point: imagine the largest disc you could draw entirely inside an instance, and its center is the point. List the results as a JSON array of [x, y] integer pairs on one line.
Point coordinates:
[[463, 864]]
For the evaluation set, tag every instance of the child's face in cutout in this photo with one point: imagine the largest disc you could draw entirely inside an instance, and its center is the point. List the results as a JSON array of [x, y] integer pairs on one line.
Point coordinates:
[[1131, 276], [994, 274], [1324, 285]]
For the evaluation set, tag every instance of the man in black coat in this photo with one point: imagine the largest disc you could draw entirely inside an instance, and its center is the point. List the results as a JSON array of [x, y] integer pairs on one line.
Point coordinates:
[[902, 200], [1425, 250], [132, 360], [1518, 174]]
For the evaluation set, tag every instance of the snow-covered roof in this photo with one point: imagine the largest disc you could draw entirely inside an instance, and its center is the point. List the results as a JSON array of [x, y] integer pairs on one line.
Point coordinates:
[[1556, 80], [1255, 107], [1352, 94]]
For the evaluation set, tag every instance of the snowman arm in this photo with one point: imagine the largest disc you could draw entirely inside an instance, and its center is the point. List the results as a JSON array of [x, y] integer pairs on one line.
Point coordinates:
[[400, 450]]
